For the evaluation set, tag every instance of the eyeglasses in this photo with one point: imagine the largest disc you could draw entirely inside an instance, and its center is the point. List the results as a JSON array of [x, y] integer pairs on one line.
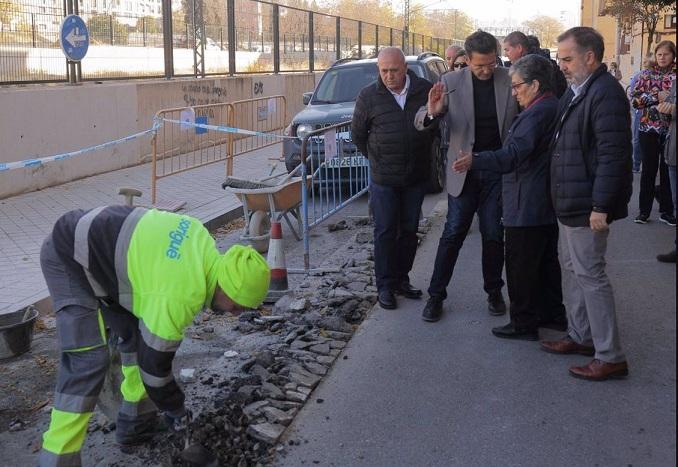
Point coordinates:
[[489, 66], [460, 65], [517, 85]]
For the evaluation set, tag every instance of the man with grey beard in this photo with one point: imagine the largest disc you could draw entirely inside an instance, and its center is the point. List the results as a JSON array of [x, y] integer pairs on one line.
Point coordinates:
[[590, 187]]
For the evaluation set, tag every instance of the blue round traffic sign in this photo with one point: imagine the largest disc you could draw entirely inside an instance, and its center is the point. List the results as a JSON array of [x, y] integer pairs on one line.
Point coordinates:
[[74, 38]]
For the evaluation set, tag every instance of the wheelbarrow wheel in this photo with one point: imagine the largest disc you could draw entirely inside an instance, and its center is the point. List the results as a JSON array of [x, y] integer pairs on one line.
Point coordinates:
[[260, 224]]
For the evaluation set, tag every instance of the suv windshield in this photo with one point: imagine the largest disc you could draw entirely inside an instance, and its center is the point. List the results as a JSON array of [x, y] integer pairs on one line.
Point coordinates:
[[342, 84]]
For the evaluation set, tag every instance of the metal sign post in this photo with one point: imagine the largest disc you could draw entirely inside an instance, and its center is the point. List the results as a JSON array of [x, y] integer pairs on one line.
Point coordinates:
[[74, 42]]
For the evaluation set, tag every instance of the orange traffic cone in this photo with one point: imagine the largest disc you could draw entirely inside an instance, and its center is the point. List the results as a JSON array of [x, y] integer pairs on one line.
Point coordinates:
[[276, 261]]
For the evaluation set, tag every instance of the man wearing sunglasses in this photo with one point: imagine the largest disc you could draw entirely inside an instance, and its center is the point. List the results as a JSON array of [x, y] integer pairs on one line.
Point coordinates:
[[476, 104]]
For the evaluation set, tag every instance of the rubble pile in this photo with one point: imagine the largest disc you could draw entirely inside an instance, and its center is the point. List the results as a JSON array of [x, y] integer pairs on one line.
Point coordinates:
[[312, 325]]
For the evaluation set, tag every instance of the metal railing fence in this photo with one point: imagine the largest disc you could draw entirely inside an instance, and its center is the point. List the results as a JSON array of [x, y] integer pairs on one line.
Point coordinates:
[[340, 174], [179, 145], [167, 38]]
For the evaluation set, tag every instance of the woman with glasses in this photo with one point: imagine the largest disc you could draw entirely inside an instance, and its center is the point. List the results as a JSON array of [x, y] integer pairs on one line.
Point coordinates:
[[531, 232], [460, 61]]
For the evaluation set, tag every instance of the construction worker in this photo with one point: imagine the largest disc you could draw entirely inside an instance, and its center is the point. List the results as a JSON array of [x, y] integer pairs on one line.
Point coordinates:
[[144, 274]]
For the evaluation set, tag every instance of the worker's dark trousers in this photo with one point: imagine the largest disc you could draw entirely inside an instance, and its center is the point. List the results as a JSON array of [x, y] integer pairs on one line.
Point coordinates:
[[84, 363]]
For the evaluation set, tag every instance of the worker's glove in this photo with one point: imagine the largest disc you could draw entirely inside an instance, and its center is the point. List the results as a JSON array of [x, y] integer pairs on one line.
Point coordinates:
[[178, 420]]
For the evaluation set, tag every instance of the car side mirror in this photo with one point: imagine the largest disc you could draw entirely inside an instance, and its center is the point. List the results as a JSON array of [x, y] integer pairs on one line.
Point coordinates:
[[307, 97]]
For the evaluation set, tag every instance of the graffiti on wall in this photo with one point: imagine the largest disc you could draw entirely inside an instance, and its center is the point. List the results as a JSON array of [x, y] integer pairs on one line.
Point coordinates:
[[201, 94]]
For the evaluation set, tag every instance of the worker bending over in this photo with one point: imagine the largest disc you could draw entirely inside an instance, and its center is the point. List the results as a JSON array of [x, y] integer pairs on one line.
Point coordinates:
[[144, 274]]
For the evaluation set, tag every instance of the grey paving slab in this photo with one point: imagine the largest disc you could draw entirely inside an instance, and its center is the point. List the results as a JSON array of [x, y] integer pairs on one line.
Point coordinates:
[[26, 219]]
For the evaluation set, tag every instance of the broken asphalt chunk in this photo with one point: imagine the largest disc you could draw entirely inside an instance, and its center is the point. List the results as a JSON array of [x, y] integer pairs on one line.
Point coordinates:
[[266, 432]]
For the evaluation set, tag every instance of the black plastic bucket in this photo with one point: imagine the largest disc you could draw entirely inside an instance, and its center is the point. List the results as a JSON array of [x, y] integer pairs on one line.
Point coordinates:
[[16, 332]]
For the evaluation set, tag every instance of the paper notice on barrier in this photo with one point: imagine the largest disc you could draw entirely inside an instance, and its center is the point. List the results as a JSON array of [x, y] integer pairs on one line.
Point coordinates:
[[330, 144], [187, 119], [272, 106]]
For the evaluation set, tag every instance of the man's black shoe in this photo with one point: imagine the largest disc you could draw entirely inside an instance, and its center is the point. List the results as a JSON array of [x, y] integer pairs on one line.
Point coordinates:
[[668, 219], [406, 290], [667, 257], [642, 218], [510, 332], [495, 303], [387, 300], [433, 310]]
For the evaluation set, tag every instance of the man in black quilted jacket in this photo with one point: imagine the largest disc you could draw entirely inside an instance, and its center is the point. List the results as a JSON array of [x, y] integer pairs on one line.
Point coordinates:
[[590, 187], [383, 130]]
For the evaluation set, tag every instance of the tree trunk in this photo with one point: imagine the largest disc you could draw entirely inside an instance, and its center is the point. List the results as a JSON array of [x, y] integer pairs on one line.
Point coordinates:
[[651, 28]]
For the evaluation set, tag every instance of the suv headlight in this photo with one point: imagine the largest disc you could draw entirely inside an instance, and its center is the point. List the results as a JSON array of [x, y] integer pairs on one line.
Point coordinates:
[[303, 130]]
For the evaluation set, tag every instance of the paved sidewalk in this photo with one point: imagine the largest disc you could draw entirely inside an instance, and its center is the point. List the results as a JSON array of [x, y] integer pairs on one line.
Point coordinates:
[[26, 219], [411, 393]]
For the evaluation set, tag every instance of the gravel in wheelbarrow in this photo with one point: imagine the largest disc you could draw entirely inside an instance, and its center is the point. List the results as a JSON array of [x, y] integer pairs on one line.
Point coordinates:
[[241, 183]]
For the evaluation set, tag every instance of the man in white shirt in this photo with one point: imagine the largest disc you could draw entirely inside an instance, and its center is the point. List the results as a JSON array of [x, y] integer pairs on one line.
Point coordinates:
[[383, 130]]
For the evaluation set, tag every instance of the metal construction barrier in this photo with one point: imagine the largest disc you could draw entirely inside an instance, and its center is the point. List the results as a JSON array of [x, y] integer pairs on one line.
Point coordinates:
[[339, 175], [186, 140], [262, 115]]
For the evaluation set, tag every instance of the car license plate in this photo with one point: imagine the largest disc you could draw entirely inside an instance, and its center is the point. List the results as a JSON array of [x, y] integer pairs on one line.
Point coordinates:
[[341, 162]]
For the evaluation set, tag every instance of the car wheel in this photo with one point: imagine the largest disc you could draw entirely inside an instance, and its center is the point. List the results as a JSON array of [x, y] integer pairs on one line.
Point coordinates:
[[437, 178]]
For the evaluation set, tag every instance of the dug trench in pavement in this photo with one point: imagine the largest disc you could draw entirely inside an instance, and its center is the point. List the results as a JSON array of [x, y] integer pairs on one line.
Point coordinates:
[[251, 373]]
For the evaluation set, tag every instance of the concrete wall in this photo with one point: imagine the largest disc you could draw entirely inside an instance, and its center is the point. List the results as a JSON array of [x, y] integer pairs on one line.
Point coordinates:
[[39, 121]]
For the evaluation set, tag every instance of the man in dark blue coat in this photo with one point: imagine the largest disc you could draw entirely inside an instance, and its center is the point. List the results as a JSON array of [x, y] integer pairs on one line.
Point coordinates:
[[590, 187], [383, 130]]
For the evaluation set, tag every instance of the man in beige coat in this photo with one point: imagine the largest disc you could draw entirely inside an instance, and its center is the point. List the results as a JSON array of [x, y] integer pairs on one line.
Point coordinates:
[[477, 105]]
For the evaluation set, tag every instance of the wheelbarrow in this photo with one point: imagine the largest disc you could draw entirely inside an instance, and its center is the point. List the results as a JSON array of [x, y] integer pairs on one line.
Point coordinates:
[[265, 200]]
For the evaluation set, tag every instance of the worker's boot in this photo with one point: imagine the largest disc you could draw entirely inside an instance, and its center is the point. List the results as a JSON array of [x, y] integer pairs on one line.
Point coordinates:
[[134, 431]]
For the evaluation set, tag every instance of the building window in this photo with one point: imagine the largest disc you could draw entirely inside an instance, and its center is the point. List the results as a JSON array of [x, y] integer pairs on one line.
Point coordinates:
[[669, 21]]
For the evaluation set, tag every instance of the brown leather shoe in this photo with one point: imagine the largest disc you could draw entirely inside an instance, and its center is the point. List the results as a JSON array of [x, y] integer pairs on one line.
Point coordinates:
[[598, 370], [567, 346]]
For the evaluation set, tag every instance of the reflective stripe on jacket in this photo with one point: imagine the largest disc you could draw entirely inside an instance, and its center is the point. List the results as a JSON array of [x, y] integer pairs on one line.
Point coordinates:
[[157, 265]]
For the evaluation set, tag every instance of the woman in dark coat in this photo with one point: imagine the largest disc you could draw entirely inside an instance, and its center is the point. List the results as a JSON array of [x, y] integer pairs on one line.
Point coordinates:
[[531, 243]]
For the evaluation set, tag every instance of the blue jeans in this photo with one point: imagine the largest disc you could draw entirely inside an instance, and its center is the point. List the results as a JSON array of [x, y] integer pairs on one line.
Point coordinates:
[[637, 154], [481, 194], [396, 221]]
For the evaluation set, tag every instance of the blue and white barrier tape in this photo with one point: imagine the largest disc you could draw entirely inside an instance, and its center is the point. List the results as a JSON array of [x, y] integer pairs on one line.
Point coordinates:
[[59, 157], [227, 129]]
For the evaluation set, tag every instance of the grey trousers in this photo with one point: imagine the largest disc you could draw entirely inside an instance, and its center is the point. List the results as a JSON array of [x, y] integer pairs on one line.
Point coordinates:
[[587, 291]]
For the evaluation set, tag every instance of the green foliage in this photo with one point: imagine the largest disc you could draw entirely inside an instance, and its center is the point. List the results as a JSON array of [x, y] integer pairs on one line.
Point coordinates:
[[451, 24], [99, 27], [8, 10], [546, 28], [152, 25]]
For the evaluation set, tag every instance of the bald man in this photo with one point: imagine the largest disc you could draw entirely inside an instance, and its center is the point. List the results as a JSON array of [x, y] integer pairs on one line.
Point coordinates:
[[383, 130]]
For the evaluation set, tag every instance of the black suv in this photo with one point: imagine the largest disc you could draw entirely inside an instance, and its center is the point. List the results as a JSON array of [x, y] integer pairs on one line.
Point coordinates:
[[334, 98]]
